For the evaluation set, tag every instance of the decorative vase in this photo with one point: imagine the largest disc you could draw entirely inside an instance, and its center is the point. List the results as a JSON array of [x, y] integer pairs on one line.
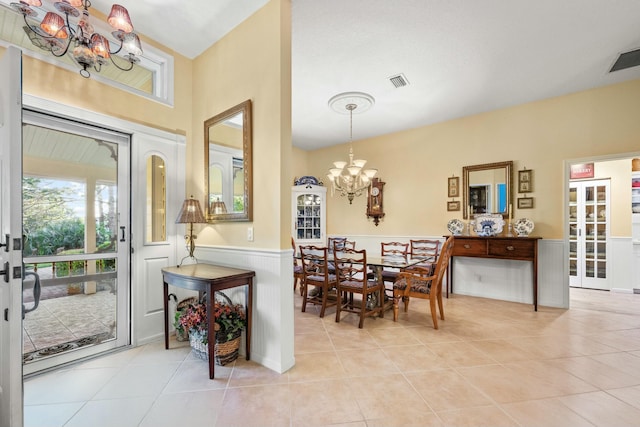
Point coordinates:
[[523, 226], [455, 227]]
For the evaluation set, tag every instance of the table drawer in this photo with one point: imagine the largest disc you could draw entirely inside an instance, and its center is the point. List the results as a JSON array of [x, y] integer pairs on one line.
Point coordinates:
[[469, 247], [524, 249]]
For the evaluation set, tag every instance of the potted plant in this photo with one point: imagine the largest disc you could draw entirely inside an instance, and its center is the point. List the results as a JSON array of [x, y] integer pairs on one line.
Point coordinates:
[[229, 320]]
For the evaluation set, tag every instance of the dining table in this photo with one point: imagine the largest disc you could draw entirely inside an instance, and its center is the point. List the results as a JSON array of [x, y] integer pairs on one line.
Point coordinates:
[[379, 262]]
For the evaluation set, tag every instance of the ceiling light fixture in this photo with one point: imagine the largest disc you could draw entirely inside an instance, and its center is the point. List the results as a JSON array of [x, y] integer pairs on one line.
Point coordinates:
[[88, 48], [350, 179]]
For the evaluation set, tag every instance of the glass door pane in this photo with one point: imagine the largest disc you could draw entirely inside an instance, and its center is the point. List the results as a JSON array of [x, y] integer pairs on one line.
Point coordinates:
[[73, 226]]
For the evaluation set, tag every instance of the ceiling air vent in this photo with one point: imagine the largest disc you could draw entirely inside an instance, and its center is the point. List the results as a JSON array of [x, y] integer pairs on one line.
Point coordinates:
[[399, 80], [627, 60]]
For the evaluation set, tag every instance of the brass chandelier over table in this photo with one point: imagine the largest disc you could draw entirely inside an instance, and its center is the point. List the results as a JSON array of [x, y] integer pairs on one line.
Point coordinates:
[[59, 35], [350, 178]]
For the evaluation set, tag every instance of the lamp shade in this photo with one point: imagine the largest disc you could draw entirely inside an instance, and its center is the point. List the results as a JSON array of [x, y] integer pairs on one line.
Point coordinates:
[[119, 18], [100, 45], [131, 43], [218, 208], [190, 212], [53, 24]]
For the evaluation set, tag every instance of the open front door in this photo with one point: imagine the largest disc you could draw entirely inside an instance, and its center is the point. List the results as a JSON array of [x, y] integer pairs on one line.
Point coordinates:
[[11, 238]]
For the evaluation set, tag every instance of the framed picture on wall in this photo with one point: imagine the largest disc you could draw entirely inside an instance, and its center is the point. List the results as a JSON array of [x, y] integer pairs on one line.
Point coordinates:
[[525, 181], [525, 202], [454, 187], [453, 205]]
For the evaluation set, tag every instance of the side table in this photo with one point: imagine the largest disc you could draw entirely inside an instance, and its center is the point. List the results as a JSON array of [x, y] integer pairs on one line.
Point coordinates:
[[208, 278]]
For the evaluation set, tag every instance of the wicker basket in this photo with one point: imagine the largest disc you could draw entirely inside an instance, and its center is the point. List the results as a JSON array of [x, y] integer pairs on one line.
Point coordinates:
[[226, 350]]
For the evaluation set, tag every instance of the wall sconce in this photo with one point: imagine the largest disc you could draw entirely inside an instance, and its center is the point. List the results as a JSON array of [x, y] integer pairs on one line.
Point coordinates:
[[190, 213]]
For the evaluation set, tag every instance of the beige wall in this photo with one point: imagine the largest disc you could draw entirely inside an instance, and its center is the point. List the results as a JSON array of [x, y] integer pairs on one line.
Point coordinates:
[[541, 135], [252, 62], [300, 165]]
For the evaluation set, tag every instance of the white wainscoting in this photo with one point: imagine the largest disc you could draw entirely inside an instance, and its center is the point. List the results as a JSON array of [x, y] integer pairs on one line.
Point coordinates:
[[499, 279], [272, 333]]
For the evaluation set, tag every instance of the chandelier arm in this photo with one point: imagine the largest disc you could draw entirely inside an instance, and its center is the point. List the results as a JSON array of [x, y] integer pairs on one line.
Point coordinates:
[[118, 50], [72, 34], [131, 64]]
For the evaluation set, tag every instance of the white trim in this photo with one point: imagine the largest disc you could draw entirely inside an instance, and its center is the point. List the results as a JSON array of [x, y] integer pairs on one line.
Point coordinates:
[[78, 114]]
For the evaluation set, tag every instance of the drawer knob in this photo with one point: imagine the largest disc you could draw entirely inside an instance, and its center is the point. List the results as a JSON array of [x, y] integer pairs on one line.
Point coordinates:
[[467, 246], [510, 248]]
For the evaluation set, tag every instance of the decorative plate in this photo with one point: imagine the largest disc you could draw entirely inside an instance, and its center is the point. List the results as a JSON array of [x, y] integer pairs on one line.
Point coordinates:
[[455, 227], [523, 226], [489, 224], [307, 180]]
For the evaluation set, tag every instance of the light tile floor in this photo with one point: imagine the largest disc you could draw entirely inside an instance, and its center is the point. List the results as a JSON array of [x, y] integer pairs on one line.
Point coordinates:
[[491, 363]]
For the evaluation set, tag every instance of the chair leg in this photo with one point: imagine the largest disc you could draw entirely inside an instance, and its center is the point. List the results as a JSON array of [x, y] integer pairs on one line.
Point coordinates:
[[303, 292], [396, 301], [434, 315], [406, 304], [363, 310], [440, 305], [325, 292], [338, 305]]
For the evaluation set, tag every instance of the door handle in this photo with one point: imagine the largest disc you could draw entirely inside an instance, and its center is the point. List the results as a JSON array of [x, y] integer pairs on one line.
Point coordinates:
[[122, 239], [5, 272]]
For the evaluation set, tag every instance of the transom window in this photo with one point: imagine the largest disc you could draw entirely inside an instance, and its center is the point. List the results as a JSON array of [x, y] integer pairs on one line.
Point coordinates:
[[152, 77]]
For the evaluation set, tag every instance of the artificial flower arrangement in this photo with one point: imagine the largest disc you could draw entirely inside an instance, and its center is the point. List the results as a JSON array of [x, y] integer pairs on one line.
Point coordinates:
[[230, 319]]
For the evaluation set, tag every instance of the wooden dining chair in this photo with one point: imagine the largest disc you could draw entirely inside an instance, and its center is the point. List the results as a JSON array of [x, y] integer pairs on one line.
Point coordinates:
[[338, 243], [316, 274], [423, 283], [297, 269], [351, 270], [425, 249], [393, 249]]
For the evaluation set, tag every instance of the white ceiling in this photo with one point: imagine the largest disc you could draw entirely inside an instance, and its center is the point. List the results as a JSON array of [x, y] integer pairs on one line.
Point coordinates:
[[461, 57]]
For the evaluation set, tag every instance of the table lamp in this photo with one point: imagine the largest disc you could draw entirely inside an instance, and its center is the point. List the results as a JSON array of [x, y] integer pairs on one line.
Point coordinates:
[[190, 213]]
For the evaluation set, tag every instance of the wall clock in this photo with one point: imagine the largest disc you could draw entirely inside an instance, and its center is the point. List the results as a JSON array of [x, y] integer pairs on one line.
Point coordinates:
[[375, 207]]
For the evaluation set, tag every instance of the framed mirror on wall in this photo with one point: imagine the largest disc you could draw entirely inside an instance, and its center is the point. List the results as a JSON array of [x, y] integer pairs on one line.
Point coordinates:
[[487, 188], [228, 165]]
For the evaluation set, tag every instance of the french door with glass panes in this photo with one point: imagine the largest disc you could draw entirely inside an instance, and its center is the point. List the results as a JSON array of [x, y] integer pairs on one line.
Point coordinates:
[[589, 234]]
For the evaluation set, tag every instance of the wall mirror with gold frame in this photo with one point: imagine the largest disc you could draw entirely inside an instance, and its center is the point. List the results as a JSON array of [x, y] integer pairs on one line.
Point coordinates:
[[487, 188], [228, 165]]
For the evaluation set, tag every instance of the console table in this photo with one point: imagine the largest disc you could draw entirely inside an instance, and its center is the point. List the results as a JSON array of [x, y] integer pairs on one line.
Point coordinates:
[[499, 247], [208, 278]]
